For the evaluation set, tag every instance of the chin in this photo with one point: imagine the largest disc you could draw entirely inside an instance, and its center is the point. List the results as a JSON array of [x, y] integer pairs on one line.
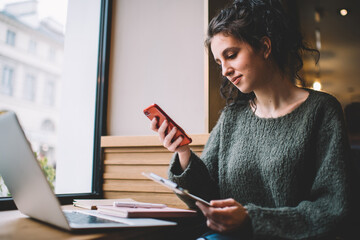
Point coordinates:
[[244, 89]]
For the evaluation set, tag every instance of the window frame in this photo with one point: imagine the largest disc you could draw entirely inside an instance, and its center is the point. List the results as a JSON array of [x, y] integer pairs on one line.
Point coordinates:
[[48, 94], [29, 90], [7, 203], [32, 47], [10, 38], [9, 81]]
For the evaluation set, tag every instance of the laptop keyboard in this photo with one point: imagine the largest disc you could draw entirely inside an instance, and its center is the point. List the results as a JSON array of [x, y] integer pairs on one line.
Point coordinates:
[[81, 218]]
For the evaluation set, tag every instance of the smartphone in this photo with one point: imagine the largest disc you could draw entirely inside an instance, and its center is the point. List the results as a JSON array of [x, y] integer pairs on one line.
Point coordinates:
[[154, 111]]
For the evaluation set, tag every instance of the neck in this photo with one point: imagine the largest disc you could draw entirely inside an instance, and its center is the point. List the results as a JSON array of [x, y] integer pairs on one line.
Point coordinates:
[[277, 96], [274, 91]]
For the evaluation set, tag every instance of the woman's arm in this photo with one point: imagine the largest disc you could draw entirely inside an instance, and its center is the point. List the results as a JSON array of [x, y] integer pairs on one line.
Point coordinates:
[[200, 177]]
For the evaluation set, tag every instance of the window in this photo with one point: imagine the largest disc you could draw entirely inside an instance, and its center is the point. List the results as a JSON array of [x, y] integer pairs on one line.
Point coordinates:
[[29, 90], [52, 54], [32, 46], [48, 126], [51, 129], [10, 38], [7, 81], [49, 93]]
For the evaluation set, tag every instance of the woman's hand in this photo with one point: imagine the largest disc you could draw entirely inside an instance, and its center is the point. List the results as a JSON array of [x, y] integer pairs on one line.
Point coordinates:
[[224, 215], [166, 139]]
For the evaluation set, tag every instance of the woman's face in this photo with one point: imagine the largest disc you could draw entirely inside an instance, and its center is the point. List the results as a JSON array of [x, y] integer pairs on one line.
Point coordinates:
[[240, 63]]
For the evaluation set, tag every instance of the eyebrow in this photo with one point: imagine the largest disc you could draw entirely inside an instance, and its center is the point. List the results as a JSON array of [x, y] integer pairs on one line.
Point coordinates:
[[224, 53]]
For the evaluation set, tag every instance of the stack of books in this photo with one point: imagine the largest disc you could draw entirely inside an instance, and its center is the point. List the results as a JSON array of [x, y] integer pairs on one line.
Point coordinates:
[[129, 208], [93, 204]]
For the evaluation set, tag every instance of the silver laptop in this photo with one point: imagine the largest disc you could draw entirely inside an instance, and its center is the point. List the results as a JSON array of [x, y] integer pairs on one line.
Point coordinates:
[[32, 193]]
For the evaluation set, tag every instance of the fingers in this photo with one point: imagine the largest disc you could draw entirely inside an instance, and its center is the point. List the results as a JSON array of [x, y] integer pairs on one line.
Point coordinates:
[[215, 226], [212, 221], [153, 124], [224, 203], [209, 212], [173, 146], [228, 216], [162, 130], [213, 213], [166, 138]]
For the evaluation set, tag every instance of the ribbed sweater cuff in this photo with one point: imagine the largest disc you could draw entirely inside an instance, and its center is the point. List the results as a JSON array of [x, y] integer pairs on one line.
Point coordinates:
[[175, 170]]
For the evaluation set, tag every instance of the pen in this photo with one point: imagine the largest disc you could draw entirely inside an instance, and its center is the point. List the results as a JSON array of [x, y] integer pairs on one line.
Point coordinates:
[[138, 205]]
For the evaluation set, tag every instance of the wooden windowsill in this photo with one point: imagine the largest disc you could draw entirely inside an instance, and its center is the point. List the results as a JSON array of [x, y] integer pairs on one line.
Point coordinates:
[[137, 141]]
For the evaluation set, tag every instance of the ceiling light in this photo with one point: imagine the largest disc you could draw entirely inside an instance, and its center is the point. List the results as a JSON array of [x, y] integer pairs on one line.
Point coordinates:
[[343, 12], [317, 86]]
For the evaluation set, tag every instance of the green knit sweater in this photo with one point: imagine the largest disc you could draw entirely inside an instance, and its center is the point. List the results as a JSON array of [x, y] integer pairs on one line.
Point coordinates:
[[289, 172]]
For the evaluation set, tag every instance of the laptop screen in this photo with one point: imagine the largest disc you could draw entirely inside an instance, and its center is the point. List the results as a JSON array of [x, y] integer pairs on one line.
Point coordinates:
[[23, 176]]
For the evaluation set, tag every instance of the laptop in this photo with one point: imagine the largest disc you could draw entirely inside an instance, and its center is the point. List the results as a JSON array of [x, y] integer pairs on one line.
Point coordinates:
[[32, 193]]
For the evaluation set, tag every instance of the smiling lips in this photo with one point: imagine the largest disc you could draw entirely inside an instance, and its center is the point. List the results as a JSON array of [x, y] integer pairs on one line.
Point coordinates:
[[236, 80]]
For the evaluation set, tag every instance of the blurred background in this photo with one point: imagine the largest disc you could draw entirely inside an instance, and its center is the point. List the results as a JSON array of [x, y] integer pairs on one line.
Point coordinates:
[[330, 26]]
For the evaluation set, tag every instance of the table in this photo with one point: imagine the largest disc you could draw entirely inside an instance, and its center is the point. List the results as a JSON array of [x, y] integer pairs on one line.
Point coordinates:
[[15, 225]]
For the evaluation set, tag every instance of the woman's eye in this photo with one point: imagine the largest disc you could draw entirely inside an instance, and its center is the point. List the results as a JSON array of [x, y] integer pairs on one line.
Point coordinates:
[[231, 56]]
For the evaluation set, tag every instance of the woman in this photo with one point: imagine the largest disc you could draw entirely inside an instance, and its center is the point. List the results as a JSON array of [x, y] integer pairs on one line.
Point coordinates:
[[277, 157]]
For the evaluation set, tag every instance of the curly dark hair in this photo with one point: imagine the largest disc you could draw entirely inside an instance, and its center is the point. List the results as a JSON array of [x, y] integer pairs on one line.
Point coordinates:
[[250, 21]]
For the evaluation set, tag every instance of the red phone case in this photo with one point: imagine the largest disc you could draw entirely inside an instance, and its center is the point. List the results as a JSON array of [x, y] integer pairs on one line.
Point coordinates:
[[155, 111]]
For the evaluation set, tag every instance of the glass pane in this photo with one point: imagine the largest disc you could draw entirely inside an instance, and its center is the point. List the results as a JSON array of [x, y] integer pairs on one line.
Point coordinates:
[[30, 84], [52, 91], [7, 81]]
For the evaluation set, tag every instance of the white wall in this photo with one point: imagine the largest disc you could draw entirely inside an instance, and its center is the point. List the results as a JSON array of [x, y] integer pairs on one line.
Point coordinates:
[[157, 56], [77, 108]]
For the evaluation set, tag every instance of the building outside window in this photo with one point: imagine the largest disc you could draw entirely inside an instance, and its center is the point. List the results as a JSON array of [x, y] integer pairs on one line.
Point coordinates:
[[29, 89], [44, 92], [10, 37], [32, 46], [49, 93], [52, 54], [7, 81], [26, 30]]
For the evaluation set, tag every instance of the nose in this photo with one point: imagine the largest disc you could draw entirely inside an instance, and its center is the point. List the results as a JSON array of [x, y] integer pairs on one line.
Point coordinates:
[[226, 70]]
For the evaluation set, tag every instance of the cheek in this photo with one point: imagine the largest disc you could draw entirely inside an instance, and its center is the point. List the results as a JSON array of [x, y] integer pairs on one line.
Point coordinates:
[[243, 63], [249, 69], [253, 66], [246, 63]]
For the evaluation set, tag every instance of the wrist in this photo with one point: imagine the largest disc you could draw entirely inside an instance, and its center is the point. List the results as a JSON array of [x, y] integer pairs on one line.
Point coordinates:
[[184, 156]]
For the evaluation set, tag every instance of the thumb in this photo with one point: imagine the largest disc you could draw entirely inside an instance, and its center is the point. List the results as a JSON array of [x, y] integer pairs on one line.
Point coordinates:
[[223, 203]]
